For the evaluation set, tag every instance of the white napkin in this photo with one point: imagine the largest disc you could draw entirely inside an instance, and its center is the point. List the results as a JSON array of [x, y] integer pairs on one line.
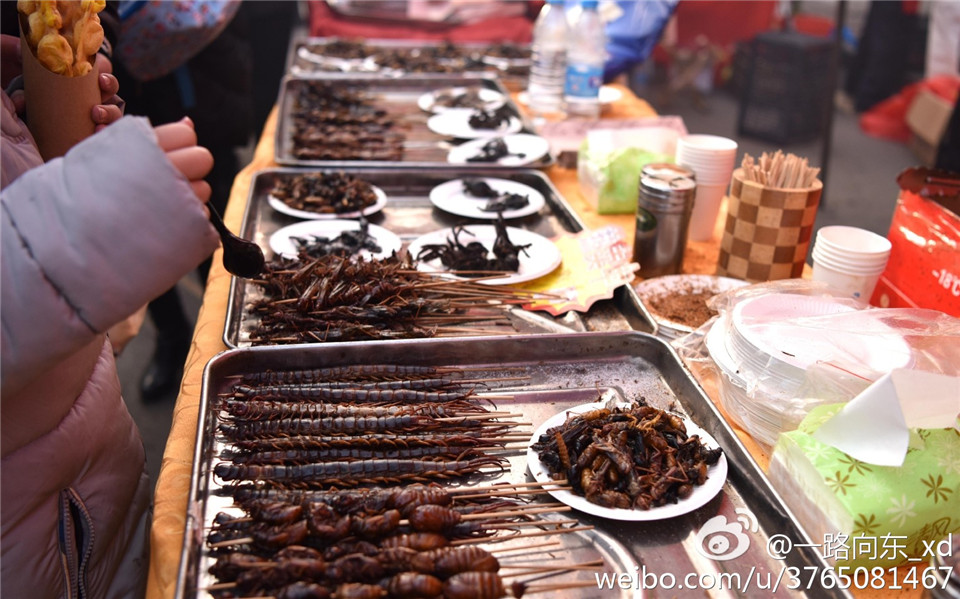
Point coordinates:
[[874, 427]]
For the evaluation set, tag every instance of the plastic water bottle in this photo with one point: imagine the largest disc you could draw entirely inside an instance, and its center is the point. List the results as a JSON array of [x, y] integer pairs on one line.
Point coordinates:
[[549, 59], [585, 58]]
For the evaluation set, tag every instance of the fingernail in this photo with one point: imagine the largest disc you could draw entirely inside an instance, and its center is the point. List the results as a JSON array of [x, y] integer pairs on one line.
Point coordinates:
[[104, 79], [187, 120], [99, 113]]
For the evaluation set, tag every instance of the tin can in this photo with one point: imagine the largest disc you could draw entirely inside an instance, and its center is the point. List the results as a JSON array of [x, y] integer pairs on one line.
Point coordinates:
[[667, 192]]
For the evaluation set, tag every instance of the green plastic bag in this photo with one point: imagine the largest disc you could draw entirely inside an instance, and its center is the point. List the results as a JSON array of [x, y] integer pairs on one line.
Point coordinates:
[[611, 180]]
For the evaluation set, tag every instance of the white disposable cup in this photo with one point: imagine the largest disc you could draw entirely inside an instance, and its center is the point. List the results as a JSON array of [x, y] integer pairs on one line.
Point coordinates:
[[847, 266], [712, 158], [858, 286], [704, 166], [853, 241], [707, 153], [706, 208], [703, 144], [845, 261]]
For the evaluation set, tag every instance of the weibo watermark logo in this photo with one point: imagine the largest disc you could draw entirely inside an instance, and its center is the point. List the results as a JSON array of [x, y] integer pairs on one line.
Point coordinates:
[[721, 540]]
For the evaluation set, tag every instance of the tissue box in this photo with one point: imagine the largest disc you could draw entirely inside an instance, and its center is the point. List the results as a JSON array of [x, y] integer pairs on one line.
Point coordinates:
[[886, 513]]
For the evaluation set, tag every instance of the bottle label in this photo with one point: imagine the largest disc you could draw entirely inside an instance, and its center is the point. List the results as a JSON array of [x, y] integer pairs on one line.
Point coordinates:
[[583, 81]]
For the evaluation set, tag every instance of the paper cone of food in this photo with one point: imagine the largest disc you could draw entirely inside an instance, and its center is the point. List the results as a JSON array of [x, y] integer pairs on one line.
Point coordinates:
[[59, 43]]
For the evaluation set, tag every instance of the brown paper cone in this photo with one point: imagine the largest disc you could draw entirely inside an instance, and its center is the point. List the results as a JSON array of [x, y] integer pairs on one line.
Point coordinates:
[[58, 107], [767, 231]]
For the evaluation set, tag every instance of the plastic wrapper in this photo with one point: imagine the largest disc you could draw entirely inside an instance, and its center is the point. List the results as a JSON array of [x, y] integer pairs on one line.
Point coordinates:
[[612, 154], [777, 350]]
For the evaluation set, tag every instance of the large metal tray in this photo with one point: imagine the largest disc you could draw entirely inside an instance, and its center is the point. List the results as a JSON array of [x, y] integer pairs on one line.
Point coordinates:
[[564, 371], [422, 147], [475, 62], [410, 214]]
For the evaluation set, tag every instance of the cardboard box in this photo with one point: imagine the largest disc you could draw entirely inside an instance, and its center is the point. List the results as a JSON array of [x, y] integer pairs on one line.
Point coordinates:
[[927, 118]]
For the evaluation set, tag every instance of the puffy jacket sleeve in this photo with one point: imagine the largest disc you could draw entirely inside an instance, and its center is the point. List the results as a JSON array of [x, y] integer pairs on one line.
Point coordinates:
[[87, 239]]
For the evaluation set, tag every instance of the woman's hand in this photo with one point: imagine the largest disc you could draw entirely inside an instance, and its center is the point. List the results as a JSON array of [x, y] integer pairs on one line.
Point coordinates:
[[111, 108], [179, 141]]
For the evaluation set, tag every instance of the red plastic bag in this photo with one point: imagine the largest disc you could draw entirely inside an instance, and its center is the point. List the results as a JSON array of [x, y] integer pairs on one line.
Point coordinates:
[[888, 119], [924, 266]]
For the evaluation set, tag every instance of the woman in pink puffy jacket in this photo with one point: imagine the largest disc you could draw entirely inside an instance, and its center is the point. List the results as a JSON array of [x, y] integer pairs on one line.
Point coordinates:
[[86, 240]]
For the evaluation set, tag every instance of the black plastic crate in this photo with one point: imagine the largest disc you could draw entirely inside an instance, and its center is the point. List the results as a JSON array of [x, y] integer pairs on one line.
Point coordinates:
[[787, 89]]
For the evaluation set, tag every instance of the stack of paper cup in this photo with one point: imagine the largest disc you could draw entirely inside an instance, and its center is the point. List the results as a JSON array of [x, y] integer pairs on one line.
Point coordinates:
[[712, 159], [850, 260]]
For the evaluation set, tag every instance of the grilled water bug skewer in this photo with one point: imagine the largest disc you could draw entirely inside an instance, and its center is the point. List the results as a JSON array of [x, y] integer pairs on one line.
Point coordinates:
[[359, 425], [351, 394], [369, 440], [404, 498], [260, 409], [363, 372], [302, 456], [354, 473]]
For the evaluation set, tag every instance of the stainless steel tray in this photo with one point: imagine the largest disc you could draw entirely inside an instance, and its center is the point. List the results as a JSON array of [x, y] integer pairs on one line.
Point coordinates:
[[474, 59], [422, 147], [410, 214], [564, 371]]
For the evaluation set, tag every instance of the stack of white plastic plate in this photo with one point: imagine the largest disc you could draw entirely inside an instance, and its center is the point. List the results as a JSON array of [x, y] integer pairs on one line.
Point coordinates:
[[765, 346]]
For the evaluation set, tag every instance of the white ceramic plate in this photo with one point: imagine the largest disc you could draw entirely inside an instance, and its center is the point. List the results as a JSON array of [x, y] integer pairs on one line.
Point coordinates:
[[541, 258], [278, 205], [456, 123], [533, 148], [657, 286], [451, 197], [608, 95], [491, 99], [504, 63], [281, 244], [716, 476], [330, 62]]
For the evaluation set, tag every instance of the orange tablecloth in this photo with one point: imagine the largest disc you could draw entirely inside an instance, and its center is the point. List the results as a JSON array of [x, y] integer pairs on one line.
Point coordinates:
[[173, 486]]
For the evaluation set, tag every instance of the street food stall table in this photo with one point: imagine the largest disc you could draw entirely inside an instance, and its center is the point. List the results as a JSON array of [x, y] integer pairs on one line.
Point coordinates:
[[172, 491]]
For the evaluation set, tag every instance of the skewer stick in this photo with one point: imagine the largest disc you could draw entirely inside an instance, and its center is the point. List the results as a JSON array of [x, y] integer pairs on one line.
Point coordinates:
[[511, 513], [525, 492], [522, 535], [555, 569], [488, 416], [500, 487], [525, 523], [536, 563], [505, 550], [495, 397], [452, 331], [493, 379], [228, 543], [548, 588]]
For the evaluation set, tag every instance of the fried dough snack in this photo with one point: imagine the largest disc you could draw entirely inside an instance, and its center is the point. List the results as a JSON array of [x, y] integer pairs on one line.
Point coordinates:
[[64, 34]]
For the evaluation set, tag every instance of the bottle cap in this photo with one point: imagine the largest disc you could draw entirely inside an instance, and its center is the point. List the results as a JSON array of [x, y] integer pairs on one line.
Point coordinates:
[[589, 3]]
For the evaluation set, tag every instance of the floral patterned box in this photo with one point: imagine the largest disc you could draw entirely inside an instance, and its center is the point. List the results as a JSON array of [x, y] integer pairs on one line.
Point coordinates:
[[868, 515]]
